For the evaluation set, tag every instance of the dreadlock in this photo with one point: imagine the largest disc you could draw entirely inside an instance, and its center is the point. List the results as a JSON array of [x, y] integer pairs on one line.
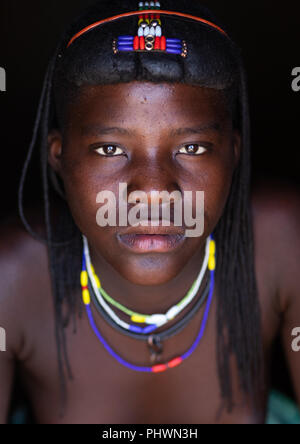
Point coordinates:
[[214, 61]]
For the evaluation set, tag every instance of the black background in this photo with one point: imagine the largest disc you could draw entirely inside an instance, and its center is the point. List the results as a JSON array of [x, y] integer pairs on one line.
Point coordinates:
[[268, 33]]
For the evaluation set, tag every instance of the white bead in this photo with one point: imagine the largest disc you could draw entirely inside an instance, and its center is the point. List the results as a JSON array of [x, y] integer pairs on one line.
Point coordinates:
[[141, 4], [172, 313], [158, 319], [146, 3], [152, 31], [151, 3], [157, 4], [140, 32], [146, 31], [158, 31]]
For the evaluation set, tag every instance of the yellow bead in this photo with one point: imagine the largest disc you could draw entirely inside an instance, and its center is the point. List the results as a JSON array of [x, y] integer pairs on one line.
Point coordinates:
[[98, 283], [86, 297], [93, 269], [84, 278], [212, 248], [143, 20], [211, 263], [138, 318]]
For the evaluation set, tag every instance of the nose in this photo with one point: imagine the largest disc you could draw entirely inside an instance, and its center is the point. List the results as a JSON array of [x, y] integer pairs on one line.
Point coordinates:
[[154, 180]]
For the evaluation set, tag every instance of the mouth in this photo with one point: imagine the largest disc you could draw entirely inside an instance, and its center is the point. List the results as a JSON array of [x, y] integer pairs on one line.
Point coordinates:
[[152, 240]]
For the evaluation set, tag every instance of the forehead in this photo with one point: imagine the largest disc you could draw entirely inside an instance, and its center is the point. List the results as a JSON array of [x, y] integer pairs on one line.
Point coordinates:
[[147, 102]]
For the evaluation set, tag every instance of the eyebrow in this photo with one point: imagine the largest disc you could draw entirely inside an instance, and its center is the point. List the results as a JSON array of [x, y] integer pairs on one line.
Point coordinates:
[[213, 126], [95, 130]]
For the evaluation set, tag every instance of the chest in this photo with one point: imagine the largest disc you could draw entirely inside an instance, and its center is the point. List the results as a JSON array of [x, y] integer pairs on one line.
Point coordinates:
[[103, 391]]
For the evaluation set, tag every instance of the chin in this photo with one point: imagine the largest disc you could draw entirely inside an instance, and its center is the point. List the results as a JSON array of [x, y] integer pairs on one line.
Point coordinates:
[[150, 270]]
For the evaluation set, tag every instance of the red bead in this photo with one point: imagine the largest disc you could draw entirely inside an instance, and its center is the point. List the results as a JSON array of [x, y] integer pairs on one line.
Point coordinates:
[[142, 43], [136, 43], [157, 43], [163, 43], [84, 288], [157, 16], [159, 368], [174, 362]]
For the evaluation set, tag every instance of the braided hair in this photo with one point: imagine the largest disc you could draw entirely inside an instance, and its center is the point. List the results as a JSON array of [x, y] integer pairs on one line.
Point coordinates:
[[214, 61]]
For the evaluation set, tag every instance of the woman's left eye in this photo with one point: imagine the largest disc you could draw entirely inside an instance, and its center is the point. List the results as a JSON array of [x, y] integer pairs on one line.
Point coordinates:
[[109, 150], [193, 148]]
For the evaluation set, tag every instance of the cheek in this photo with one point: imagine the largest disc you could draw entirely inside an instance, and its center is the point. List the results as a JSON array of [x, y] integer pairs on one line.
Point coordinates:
[[214, 178], [83, 181], [216, 195]]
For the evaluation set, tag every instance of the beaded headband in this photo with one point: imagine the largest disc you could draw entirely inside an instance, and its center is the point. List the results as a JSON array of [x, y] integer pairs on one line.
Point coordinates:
[[149, 35]]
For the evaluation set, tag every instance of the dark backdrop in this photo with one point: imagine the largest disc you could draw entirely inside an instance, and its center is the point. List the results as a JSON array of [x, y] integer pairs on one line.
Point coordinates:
[[267, 31]]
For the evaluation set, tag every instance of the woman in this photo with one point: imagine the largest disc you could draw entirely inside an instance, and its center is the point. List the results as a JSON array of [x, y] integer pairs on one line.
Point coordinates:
[[173, 117]]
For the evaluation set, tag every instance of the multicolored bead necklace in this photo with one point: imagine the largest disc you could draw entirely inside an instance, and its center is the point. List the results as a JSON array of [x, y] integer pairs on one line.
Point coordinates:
[[165, 334], [173, 362], [155, 340], [153, 321]]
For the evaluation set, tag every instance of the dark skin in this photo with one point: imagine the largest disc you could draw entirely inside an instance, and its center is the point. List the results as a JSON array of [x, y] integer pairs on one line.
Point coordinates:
[[102, 390]]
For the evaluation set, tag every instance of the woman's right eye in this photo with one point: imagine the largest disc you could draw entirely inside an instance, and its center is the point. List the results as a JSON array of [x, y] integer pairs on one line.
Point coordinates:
[[109, 150]]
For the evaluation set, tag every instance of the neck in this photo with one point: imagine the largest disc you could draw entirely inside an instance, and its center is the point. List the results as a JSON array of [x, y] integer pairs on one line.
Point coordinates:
[[147, 299]]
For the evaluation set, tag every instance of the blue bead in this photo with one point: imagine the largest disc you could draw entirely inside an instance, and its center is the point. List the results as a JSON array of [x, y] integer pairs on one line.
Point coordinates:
[[173, 41], [135, 329], [173, 51], [173, 45], [125, 43], [126, 37], [125, 40], [149, 329], [125, 48]]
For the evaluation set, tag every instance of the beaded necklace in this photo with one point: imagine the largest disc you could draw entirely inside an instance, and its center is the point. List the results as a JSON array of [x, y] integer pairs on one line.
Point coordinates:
[[173, 362], [154, 341], [166, 334], [153, 321]]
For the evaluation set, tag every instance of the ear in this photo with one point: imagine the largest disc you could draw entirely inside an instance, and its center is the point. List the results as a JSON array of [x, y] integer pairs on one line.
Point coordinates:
[[55, 150], [237, 142]]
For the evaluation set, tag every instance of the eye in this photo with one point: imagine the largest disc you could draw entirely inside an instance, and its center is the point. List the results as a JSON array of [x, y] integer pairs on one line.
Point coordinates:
[[192, 148], [109, 150]]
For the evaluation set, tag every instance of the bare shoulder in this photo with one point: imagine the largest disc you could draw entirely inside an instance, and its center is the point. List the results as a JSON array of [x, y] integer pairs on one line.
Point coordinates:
[[23, 270], [276, 218], [276, 212]]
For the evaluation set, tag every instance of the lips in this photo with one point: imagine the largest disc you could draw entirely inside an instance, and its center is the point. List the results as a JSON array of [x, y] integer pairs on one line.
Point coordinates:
[[158, 239]]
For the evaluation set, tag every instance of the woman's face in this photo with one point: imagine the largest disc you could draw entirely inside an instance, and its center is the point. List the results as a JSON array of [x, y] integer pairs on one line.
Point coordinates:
[[153, 137]]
